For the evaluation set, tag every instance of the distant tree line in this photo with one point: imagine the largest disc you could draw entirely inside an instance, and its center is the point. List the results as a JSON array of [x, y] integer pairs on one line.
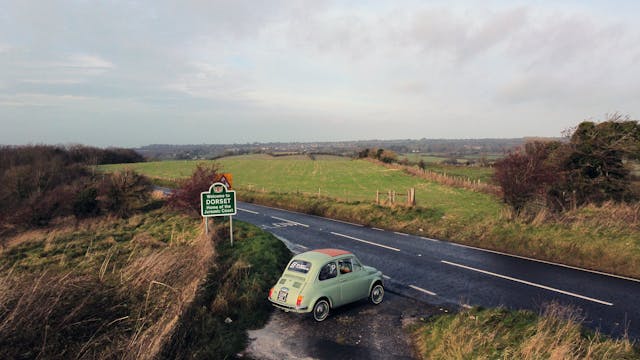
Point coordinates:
[[41, 182], [592, 167], [453, 147], [384, 155]]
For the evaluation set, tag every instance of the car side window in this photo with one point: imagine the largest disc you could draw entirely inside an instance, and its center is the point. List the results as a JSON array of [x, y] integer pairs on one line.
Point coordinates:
[[356, 265], [328, 271], [345, 266]]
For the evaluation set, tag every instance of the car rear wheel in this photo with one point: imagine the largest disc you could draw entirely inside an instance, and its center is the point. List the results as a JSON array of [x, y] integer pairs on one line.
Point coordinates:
[[321, 310], [377, 294]]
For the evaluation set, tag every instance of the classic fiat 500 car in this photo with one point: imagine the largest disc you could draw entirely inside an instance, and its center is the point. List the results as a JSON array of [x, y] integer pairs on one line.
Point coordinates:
[[319, 280]]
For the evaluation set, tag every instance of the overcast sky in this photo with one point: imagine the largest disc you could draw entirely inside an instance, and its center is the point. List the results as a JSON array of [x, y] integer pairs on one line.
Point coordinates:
[[140, 72]]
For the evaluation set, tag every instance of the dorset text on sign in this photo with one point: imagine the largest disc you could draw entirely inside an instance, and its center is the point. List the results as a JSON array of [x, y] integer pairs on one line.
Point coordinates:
[[218, 201]]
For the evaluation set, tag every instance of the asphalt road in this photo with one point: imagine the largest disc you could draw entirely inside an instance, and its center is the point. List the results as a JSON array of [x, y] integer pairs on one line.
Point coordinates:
[[441, 273]]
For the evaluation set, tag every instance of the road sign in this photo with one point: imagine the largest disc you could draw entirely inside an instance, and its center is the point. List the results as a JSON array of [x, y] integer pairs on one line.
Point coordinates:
[[218, 201], [226, 179]]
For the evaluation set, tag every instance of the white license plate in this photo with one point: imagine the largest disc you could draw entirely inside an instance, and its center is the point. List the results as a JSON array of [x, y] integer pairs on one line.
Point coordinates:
[[282, 295]]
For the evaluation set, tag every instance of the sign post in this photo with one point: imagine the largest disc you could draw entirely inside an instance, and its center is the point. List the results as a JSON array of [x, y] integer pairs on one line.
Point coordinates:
[[218, 201]]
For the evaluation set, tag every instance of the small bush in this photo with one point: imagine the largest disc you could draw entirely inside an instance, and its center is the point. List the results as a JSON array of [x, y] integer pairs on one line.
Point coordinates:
[[86, 203], [124, 192], [187, 196], [526, 174]]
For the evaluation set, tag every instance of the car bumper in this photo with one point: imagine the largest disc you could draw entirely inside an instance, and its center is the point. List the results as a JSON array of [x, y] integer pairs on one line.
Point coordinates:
[[289, 308]]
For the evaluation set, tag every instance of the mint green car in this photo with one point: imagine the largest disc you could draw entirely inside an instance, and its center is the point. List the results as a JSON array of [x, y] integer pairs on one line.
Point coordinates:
[[319, 280]]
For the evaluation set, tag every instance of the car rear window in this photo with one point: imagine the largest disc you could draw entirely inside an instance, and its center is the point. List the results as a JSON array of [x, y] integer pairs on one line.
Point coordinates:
[[300, 266]]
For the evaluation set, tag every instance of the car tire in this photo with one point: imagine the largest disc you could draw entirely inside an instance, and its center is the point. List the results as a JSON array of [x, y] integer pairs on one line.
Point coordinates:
[[321, 310], [377, 294]]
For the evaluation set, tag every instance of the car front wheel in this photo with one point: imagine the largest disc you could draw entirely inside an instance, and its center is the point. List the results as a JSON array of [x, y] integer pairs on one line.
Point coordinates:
[[321, 310], [377, 294]]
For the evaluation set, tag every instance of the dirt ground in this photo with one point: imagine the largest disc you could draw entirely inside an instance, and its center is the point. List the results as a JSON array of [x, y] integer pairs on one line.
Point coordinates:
[[356, 331]]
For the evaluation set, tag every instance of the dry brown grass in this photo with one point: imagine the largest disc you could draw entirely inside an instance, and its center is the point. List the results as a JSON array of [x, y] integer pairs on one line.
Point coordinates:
[[173, 274], [38, 316], [501, 334], [113, 306], [607, 215], [227, 293], [604, 216]]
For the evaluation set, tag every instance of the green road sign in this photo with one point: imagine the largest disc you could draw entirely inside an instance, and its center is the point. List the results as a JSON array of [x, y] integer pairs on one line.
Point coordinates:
[[218, 201]]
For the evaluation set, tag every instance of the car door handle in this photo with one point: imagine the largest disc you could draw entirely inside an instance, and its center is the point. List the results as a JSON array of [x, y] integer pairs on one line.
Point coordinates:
[[343, 280]]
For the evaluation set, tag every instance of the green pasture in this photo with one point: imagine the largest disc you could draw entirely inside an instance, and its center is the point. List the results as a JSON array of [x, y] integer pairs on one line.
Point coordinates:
[[434, 163], [428, 158], [484, 174], [437, 157], [335, 177]]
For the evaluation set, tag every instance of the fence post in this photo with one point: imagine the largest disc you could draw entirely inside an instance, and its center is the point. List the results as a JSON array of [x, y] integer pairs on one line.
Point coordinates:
[[377, 196]]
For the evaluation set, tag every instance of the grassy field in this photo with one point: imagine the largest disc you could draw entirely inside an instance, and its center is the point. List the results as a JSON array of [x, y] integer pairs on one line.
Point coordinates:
[[484, 174], [335, 177], [503, 334], [434, 163], [436, 158]]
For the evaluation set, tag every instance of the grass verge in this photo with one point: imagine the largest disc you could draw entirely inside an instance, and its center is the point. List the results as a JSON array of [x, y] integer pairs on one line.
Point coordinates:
[[233, 299], [502, 334]]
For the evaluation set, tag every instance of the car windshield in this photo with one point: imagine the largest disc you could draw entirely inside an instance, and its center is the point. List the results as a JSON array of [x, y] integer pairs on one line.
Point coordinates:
[[300, 266]]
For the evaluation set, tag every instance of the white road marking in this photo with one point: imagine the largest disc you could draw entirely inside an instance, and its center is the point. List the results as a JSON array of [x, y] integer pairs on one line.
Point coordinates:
[[375, 228], [529, 283], [302, 246], [249, 211], [423, 290], [548, 262], [290, 221], [386, 277], [399, 233], [467, 306], [365, 241], [426, 238]]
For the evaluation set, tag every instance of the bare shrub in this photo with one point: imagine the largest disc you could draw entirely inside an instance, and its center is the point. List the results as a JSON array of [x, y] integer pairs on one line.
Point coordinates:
[[124, 192], [41, 182], [187, 196], [525, 174]]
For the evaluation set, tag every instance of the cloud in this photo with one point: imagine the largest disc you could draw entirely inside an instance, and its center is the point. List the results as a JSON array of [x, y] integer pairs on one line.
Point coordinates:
[[284, 69]]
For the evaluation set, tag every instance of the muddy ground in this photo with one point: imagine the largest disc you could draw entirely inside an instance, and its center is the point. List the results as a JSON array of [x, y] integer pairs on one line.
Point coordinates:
[[356, 331]]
